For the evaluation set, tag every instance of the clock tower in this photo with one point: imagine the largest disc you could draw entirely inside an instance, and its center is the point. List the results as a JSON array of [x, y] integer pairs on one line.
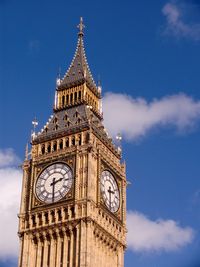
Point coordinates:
[[73, 200]]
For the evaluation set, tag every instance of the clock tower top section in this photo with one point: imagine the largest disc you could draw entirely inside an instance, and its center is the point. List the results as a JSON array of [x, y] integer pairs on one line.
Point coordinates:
[[78, 86]]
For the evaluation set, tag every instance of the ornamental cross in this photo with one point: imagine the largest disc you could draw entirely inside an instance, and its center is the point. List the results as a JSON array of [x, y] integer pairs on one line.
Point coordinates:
[[81, 26]]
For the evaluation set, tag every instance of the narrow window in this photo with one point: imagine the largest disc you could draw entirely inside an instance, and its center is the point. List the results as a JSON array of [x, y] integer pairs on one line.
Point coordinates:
[[67, 142], [79, 140], [63, 100], [33, 221], [49, 148], [46, 218], [54, 146], [43, 149], [61, 144], [67, 99], [68, 123], [59, 215], [52, 216], [75, 97], [73, 141], [40, 219], [65, 117], [79, 95]]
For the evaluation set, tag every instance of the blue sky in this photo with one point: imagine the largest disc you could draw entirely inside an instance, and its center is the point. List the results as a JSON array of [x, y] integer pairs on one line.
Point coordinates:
[[147, 56]]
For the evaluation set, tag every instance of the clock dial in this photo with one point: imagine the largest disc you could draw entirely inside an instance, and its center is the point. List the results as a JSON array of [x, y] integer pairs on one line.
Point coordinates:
[[54, 182], [110, 191]]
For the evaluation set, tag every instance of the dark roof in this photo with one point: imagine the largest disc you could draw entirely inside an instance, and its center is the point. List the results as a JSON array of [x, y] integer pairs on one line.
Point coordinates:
[[73, 120], [79, 71]]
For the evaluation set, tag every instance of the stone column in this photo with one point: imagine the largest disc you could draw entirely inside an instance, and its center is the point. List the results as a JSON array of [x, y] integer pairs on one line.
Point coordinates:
[[39, 253], [71, 248], [33, 254], [83, 244], [59, 246], [25, 250], [45, 256], [77, 246], [65, 249], [53, 251]]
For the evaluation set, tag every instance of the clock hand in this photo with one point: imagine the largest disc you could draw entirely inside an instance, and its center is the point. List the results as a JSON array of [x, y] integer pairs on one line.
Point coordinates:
[[53, 188], [110, 192], [54, 182]]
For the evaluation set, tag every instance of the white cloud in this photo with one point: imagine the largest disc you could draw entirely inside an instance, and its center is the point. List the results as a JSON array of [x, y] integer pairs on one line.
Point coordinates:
[[135, 117], [145, 235], [10, 179], [175, 24], [8, 157]]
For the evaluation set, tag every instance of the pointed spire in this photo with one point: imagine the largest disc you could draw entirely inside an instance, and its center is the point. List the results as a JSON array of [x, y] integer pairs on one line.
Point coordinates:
[[79, 71]]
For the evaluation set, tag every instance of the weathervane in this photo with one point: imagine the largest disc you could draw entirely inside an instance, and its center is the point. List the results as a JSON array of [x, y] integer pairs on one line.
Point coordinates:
[[81, 26]]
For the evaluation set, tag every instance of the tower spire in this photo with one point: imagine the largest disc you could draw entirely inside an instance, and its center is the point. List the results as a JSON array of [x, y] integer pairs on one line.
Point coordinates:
[[78, 71]]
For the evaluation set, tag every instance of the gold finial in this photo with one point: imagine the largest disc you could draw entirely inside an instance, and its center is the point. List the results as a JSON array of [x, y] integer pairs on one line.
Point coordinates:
[[81, 26]]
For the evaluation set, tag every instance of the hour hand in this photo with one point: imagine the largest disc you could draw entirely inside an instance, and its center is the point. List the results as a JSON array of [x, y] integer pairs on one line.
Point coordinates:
[[59, 180]]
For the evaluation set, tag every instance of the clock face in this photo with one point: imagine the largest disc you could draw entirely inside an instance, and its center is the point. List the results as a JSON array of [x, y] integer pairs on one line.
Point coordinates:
[[54, 183], [110, 191]]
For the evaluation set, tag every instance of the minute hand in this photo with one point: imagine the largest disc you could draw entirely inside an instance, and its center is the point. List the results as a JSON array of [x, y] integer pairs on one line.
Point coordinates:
[[56, 181]]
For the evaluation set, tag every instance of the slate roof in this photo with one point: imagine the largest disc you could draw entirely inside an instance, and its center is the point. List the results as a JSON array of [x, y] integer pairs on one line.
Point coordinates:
[[72, 120], [79, 71], [64, 121]]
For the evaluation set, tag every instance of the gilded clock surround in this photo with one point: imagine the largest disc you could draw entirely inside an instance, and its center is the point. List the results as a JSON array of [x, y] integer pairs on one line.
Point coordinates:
[[78, 230]]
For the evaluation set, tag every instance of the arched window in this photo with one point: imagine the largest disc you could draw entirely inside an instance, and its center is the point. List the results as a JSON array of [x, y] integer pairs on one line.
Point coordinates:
[[75, 97], [67, 142], [55, 146], [55, 119], [71, 98], [76, 114], [65, 118], [61, 144], [46, 218], [59, 215], [79, 140], [52, 216], [33, 221], [49, 148], [79, 95], [73, 141], [63, 100], [43, 149], [67, 99], [68, 123]]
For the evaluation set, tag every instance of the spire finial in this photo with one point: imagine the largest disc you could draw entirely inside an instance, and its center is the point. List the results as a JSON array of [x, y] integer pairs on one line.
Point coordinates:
[[81, 26], [35, 124]]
